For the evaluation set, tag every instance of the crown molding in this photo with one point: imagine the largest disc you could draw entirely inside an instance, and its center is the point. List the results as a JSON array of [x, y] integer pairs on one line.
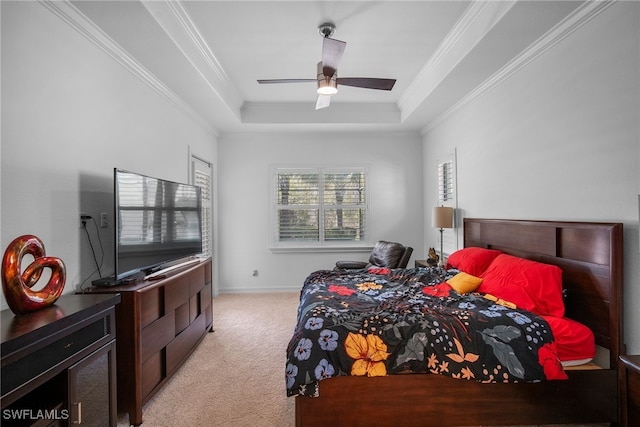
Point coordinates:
[[303, 113], [478, 19], [583, 14], [84, 26], [176, 22]]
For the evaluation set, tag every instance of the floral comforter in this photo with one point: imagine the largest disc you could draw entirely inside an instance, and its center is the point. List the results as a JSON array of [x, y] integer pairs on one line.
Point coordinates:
[[382, 322]]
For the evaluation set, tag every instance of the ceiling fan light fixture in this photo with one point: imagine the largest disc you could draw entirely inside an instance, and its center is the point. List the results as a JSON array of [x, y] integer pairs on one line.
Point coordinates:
[[327, 75], [327, 86]]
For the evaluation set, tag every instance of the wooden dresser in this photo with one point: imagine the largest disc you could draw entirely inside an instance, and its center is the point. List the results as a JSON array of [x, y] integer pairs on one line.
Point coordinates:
[[159, 323], [58, 363]]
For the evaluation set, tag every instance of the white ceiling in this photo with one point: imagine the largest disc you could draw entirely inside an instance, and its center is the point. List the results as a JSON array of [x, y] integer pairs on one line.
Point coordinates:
[[207, 55]]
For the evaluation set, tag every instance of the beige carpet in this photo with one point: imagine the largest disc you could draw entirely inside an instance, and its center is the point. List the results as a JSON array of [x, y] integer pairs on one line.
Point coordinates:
[[235, 378]]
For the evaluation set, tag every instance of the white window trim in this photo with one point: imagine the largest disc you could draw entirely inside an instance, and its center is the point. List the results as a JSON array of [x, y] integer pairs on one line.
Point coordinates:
[[322, 245]]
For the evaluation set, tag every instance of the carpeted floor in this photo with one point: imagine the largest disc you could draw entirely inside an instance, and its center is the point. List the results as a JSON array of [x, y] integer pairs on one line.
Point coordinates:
[[235, 378]]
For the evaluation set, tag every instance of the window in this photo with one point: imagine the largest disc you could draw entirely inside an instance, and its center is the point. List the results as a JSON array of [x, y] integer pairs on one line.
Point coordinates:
[[445, 181], [447, 197], [202, 177], [317, 207]]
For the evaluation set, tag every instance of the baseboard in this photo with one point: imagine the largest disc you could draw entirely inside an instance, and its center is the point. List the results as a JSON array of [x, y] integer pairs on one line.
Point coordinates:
[[260, 290]]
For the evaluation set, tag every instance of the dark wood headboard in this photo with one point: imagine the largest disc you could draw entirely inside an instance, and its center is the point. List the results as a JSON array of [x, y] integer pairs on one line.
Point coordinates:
[[590, 256]]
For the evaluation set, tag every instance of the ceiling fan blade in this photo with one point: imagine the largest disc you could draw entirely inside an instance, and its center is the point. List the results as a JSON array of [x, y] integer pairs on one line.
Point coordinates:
[[323, 101], [367, 82], [332, 51], [270, 81]]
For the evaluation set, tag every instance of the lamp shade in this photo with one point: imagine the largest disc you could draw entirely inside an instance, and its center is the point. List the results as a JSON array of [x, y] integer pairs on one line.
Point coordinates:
[[442, 217]]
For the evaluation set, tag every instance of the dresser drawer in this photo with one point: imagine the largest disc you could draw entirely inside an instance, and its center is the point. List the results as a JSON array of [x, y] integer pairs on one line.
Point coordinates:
[[152, 373], [196, 281], [157, 335], [176, 293], [151, 305]]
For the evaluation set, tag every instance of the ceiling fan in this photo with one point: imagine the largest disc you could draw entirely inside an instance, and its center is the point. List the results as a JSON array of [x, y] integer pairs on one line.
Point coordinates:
[[328, 79]]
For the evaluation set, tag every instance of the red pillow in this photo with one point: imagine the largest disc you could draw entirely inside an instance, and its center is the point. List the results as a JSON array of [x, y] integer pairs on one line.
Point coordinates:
[[472, 260], [530, 285], [574, 341]]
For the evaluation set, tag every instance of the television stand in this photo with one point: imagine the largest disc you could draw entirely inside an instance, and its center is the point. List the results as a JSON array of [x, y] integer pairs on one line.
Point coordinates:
[[158, 325]]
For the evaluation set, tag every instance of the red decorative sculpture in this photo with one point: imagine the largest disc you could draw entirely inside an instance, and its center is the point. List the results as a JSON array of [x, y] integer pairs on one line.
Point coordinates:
[[17, 285]]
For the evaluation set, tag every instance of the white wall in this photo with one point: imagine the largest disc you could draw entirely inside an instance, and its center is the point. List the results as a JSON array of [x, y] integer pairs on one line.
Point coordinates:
[[395, 178], [558, 140], [70, 114]]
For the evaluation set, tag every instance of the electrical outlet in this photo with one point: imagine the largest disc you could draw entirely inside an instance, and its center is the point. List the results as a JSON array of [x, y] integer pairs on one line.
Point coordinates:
[[103, 220], [82, 217]]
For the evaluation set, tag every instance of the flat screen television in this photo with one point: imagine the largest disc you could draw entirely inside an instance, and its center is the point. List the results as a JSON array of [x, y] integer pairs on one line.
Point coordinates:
[[157, 222]]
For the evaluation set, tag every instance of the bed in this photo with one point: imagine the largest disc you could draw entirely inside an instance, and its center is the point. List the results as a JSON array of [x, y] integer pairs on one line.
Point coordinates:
[[378, 392]]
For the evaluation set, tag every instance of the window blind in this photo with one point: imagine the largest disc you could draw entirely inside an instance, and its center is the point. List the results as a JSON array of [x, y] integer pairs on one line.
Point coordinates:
[[445, 181], [319, 206], [447, 197], [202, 177]]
